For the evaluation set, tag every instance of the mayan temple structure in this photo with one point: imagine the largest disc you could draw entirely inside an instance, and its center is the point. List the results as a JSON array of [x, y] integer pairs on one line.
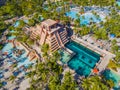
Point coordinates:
[[50, 32]]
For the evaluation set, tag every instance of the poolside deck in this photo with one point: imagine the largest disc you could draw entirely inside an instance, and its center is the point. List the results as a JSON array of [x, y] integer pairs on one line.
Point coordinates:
[[105, 55]]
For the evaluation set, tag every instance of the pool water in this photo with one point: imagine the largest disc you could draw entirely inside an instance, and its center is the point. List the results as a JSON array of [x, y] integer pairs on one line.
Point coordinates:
[[118, 2], [110, 74], [16, 24], [86, 18], [41, 18], [26, 21], [11, 37], [84, 60], [72, 14], [22, 59], [65, 56]]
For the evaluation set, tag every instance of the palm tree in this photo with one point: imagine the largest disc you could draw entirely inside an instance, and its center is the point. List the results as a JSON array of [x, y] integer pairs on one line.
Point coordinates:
[[56, 55], [21, 24], [110, 83], [114, 48], [101, 34], [31, 22], [1, 84], [1, 46], [12, 78], [54, 82], [86, 84], [14, 65], [43, 73], [94, 83], [68, 82], [117, 58]]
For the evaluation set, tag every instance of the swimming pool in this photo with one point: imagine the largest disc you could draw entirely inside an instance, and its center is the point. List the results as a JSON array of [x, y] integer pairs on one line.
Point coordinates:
[[22, 59], [16, 24], [110, 74], [65, 56], [118, 2], [86, 18], [84, 60]]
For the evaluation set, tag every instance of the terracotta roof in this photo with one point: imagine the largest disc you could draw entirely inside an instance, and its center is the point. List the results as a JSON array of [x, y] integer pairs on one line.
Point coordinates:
[[49, 22]]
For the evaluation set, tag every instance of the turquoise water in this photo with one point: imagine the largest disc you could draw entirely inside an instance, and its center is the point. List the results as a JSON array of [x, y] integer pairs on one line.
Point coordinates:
[[118, 2], [22, 59], [26, 21], [16, 24], [7, 47], [86, 18], [65, 56], [84, 60], [11, 37], [41, 18], [109, 74]]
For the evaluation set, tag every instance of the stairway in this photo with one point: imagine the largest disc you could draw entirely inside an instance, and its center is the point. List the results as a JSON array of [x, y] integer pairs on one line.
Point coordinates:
[[54, 43], [42, 39], [63, 36]]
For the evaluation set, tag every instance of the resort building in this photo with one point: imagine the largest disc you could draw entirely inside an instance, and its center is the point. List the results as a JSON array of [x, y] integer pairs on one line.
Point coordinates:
[[50, 32]]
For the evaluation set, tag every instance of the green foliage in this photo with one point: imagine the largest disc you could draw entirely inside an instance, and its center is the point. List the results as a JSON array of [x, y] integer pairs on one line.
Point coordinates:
[[101, 33], [117, 58], [95, 83], [113, 65], [30, 42], [68, 82], [77, 21], [94, 2], [31, 22], [14, 65], [110, 83], [1, 46], [13, 8], [22, 24], [1, 84], [48, 75], [20, 34], [85, 30], [12, 78], [115, 48], [112, 24], [3, 26], [56, 55], [31, 8], [45, 48], [114, 42]]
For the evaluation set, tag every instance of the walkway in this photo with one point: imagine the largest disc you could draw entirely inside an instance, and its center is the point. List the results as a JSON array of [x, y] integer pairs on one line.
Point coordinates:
[[106, 56], [38, 51]]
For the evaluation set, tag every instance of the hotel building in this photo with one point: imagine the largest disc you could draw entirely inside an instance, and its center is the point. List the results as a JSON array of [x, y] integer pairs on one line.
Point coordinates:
[[50, 32]]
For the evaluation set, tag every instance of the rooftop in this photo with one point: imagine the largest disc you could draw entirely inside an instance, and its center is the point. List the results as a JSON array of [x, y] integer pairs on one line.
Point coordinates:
[[49, 22]]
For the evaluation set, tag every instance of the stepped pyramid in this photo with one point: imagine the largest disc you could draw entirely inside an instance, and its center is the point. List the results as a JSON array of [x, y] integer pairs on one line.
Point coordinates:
[[50, 32]]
